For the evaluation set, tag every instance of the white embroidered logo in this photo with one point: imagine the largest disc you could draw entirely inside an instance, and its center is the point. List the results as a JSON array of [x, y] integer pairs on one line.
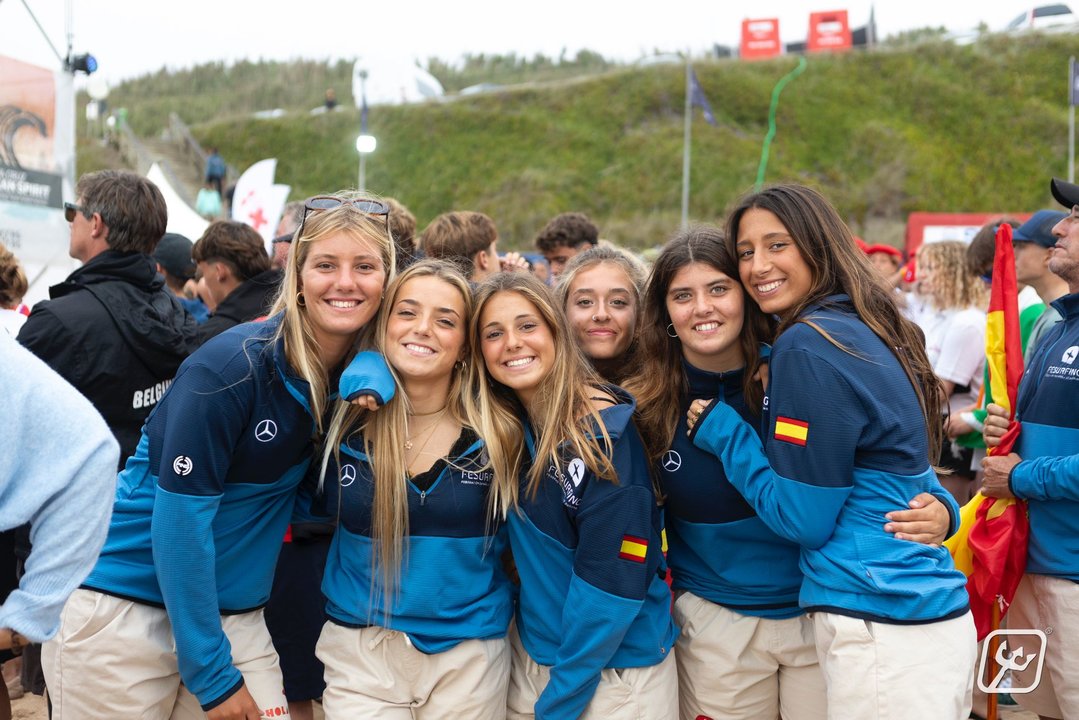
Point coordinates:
[[672, 461], [1070, 354], [182, 465], [266, 431]]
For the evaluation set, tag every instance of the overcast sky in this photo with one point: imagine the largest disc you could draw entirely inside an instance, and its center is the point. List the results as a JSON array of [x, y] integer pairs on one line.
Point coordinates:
[[133, 37]]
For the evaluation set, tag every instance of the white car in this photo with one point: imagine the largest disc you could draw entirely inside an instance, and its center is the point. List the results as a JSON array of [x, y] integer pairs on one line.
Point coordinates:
[[1043, 16]]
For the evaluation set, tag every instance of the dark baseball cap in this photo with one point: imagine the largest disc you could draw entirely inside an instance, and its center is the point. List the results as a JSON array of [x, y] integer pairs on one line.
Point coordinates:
[[1066, 193], [174, 254], [1039, 228]]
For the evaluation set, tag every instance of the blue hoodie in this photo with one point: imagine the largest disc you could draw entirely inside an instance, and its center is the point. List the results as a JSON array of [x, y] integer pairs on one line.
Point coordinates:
[[846, 443], [589, 555], [452, 586]]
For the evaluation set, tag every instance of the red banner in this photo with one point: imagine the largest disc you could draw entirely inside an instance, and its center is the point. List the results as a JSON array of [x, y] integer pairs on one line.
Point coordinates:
[[829, 31], [760, 38]]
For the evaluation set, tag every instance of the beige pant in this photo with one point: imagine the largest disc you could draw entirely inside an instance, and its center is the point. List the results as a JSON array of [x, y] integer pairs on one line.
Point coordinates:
[[878, 671], [647, 693], [377, 673], [740, 667], [1051, 605], [115, 658]]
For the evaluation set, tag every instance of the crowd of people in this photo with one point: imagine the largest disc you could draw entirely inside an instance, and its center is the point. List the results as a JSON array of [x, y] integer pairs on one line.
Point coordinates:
[[408, 475]]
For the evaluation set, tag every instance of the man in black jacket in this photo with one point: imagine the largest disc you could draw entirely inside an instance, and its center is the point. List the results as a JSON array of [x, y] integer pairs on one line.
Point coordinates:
[[232, 259], [111, 328]]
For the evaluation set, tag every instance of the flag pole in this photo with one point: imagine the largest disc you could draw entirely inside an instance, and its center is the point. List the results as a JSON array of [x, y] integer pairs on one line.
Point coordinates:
[[685, 148], [1071, 119]]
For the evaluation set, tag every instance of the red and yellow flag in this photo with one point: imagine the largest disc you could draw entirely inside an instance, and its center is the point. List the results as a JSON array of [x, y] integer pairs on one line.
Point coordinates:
[[990, 547], [633, 548]]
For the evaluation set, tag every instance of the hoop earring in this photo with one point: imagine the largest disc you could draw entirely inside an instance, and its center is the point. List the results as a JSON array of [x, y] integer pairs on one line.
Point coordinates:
[[299, 299], [670, 328]]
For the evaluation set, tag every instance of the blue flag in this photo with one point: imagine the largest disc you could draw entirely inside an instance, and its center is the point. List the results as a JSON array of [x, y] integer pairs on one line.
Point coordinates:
[[696, 97]]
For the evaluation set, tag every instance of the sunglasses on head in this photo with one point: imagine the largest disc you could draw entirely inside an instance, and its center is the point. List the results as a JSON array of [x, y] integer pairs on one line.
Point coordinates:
[[70, 209], [329, 202]]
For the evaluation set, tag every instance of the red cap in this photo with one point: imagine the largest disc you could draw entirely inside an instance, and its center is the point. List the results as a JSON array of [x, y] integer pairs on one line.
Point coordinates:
[[886, 249]]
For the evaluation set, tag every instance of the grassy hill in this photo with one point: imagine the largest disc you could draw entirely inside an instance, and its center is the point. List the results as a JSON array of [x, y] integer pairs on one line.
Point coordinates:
[[934, 127]]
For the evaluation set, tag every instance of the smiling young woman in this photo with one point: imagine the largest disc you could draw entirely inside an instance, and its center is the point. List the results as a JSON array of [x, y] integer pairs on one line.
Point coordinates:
[[600, 292], [418, 603], [594, 635], [176, 596]]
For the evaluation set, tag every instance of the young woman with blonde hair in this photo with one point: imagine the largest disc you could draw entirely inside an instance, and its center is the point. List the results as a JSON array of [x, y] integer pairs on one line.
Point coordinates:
[[418, 602], [13, 286], [600, 291], [169, 623], [594, 636], [850, 429]]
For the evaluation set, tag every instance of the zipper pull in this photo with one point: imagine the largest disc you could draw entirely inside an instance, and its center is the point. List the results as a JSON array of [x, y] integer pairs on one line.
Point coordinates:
[[423, 496]]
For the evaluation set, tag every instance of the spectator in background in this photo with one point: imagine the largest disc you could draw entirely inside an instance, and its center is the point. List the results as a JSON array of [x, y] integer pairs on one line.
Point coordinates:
[[331, 99], [955, 345], [231, 258], [111, 328], [563, 237], [1034, 242], [600, 292], [469, 240], [173, 256], [403, 230], [216, 171], [208, 202], [286, 228], [13, 285], [888, 261]]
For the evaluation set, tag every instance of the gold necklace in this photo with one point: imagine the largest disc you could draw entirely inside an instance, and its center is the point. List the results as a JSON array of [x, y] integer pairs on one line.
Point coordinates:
[[431, 427], [429, 414]]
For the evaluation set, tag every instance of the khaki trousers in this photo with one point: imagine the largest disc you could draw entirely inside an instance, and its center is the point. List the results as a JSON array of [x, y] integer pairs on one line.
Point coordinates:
[[740, 667], [114, 658], [878, 671], [377, 673], [647, 693]]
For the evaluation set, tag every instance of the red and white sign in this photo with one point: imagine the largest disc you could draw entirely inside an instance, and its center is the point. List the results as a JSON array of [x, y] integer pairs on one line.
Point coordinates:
[[930, 227], [829, 31], [760, 38]]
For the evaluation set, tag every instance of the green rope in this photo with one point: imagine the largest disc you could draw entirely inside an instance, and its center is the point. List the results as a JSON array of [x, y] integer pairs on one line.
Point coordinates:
[[772, 118]]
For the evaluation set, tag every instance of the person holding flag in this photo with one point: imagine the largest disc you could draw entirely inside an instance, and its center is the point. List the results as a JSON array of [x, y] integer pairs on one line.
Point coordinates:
[[1043, 470]]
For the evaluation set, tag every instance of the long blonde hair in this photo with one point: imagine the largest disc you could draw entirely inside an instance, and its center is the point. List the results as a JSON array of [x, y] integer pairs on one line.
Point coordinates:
[[301, 348], [384, 431], [562, 409]]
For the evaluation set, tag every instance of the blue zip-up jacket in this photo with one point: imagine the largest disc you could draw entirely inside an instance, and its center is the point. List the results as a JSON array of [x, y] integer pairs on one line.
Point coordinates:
[[202, 506], [452, 586], [592, 572], [847, 444], [717, 547], [1048, 477]]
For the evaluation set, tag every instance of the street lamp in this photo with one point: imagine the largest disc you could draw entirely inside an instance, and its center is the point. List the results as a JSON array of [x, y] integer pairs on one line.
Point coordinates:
[[364, 144]]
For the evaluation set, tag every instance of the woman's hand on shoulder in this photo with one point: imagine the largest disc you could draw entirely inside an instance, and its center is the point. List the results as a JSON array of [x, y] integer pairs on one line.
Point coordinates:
[[927, 522], [696, 409]]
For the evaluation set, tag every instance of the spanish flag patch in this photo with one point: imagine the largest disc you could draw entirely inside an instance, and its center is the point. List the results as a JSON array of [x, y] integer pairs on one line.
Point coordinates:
[[633, 548], [791, 430]]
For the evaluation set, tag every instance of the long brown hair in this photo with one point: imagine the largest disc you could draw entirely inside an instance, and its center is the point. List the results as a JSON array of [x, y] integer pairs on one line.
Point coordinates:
[[838, 266], [562, 409], [661, 379]]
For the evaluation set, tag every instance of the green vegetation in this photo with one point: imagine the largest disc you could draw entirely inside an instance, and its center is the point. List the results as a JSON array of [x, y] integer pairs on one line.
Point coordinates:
[[930, 127]]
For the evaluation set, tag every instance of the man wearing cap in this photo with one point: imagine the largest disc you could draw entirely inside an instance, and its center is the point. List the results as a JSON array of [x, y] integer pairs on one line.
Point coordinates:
[[1044, 471], [1033, 242], [173, 256], [111, 329], [232, 259]]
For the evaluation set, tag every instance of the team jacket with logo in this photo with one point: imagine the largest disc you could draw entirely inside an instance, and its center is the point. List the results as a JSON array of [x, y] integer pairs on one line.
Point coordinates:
[[588, 553], [202, 506], [1048, 477], [452, 586], [847, 444], [717, 547]]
